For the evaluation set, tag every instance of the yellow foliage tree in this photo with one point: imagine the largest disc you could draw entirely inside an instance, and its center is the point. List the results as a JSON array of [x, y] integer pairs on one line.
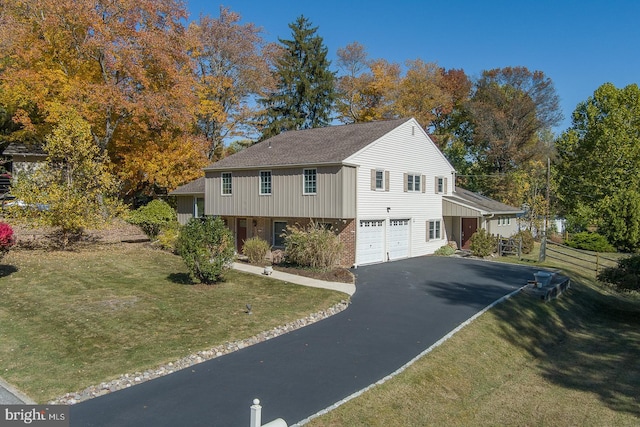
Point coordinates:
[[72, 190], [167, 161]]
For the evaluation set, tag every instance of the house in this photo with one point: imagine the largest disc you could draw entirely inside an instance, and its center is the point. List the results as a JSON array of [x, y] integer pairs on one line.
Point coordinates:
[[190, 200], [465, 212], [381, 186], [25, 158]]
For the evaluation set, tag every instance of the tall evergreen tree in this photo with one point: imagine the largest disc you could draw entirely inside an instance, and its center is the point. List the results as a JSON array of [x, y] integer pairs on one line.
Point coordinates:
[[305, 89]]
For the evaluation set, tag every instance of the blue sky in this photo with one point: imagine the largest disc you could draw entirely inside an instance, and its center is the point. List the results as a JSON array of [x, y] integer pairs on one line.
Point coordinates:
[[578, 44]]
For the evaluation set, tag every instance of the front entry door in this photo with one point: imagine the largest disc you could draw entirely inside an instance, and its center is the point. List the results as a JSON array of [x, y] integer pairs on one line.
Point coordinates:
[[241, 233], [469, 226]]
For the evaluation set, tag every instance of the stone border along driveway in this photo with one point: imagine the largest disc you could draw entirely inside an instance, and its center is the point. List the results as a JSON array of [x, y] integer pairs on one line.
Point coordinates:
[[128, 380]]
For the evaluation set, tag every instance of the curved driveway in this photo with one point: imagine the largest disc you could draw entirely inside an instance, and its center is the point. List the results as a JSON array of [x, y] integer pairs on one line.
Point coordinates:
[[400, 309]]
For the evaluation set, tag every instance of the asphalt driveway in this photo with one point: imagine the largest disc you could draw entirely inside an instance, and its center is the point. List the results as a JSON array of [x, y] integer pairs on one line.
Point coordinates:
[[400, 309]]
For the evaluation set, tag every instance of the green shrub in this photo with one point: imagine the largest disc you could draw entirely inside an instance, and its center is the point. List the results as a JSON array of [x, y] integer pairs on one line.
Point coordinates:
[[207, 248], [590, 242], [168, 237], [152, 217], [625, 276], [256, 249], [312, 246], [446, 250], [527, 240], [483, 244]]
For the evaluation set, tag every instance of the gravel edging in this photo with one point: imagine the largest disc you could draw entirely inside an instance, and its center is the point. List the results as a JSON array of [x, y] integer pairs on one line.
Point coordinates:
[[128, 380]]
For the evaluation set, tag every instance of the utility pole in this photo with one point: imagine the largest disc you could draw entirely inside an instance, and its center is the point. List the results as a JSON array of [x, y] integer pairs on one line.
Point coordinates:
[[543, 243], [548, 208]]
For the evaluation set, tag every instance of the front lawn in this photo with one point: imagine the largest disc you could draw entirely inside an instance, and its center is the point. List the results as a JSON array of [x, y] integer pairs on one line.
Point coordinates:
[[69, 320]]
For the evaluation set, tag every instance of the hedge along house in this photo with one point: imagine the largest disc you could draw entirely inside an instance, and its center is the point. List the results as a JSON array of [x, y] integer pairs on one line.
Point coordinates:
[[465, 212], [380, 186]]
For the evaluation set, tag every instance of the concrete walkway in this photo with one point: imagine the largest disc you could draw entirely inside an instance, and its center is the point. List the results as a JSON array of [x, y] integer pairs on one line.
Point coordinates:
[[347, 288]]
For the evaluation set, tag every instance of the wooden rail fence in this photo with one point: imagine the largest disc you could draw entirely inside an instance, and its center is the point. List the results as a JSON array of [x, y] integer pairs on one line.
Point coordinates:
[[592, 261]]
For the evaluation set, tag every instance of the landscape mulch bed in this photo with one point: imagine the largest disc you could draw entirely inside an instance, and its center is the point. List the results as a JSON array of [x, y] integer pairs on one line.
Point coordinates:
[[336, 275]]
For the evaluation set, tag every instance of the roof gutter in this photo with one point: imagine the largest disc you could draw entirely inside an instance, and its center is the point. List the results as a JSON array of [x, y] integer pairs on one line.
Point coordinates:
[[274, 166]]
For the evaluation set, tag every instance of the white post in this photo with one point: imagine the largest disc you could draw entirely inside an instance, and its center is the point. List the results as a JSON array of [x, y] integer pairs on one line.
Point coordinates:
[[256, 414]]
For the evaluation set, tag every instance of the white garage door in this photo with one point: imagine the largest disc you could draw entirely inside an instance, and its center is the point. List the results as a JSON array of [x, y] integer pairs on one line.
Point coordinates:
[[370, 241], [398, 238]]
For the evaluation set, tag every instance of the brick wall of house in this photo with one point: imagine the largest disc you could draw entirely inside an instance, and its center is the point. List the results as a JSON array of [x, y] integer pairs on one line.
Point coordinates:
[[348, 238]]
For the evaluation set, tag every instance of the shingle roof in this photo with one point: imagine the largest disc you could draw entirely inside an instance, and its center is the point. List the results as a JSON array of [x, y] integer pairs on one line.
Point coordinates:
[[480, 202], [16, 148], [328, 145], [193, 187]]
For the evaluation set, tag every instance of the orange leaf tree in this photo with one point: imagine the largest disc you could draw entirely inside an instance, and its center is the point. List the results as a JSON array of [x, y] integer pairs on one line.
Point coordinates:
[[120, 64], [232, 68]]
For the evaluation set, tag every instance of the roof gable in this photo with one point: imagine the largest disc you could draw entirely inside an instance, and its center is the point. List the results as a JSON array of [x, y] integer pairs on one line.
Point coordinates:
[[328, 145], [190, 188], [427, 146], [20, 149]]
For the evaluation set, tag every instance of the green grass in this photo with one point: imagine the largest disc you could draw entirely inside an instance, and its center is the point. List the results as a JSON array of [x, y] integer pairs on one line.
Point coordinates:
[[73, 319], [571, 361]]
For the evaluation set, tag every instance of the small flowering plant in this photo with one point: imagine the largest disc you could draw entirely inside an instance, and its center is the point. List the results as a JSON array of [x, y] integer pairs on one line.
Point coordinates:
[[6, 238]]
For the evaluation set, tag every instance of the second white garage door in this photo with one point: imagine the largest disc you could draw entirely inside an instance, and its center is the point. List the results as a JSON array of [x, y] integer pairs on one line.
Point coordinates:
[[370, 241], [398, 238]]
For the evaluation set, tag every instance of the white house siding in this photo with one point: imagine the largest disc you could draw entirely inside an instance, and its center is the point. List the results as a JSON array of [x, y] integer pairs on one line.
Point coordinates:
[[406, 149], [498, 226]]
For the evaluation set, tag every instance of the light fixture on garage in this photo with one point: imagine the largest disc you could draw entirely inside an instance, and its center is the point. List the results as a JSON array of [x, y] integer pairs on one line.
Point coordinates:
[[388, 209]]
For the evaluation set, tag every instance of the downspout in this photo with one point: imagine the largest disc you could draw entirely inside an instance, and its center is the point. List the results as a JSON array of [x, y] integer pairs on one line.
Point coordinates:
[[487, 219]]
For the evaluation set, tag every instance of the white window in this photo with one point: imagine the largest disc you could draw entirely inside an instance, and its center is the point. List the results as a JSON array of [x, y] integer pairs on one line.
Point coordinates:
[[379, 180], [413, 182], [198, 207], [504, 221], [265, 182], [279, 227], [226, 183], [310, 183], [434, 231], [439, 185]]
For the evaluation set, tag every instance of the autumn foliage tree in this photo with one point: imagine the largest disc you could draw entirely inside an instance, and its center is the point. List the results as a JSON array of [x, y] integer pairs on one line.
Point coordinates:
[[509, 120], [509, 109], [121, 65], [73, 189], [376, 89], [232, 69]]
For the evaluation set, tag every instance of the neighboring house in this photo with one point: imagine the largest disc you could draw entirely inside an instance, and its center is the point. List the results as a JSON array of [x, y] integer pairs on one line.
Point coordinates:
[[25, 158], [190, 198], [465, 212], [379, 185]]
